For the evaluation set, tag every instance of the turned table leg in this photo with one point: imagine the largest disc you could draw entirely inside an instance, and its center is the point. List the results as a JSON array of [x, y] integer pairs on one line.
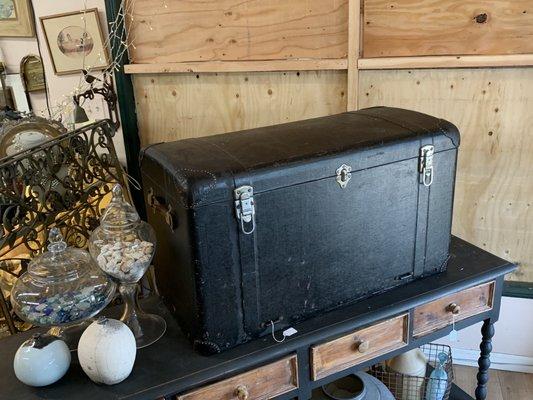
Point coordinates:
[[487, 332]]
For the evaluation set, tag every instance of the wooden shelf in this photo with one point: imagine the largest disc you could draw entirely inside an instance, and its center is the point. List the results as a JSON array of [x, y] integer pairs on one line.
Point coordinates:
[[508, 60], [511, 60], [239, 66]]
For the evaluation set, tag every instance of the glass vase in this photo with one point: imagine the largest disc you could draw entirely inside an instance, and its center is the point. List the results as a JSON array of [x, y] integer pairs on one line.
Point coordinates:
[[123, 247]]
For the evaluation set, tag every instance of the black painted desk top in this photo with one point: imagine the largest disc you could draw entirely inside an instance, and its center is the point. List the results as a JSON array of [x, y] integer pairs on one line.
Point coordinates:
[[170, 366]]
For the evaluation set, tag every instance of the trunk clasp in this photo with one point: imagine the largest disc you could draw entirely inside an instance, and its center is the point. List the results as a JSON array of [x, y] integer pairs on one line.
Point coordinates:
[[245, 208], [425, 166]]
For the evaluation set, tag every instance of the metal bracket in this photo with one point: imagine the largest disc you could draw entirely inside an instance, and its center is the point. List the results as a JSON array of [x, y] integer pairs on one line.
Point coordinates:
[[425, 166], [245, 208], [344, 175]]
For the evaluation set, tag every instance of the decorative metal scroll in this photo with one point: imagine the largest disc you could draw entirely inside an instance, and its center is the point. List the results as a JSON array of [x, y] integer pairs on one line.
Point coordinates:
[[63, 182]]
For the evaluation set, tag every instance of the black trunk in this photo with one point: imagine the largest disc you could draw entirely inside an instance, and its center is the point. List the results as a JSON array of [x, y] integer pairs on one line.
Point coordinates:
[[345, 206]]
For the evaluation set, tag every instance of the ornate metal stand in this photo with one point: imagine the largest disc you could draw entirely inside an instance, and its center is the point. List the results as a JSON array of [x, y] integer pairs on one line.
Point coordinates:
[[484, 359], [63, 182]]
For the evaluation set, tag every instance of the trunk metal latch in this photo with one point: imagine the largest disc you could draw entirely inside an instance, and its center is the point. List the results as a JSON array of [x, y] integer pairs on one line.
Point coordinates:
[[425, 166], [245, 208], [344, 174]]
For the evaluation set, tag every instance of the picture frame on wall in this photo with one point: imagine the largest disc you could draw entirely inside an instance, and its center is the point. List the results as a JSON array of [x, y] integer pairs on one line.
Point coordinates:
[[7, 99], [20, 100], [75, 41], [32, 73], [16, 18]]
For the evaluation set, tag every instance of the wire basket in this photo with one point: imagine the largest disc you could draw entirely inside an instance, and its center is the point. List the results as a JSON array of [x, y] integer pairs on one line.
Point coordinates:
[[406, 387]]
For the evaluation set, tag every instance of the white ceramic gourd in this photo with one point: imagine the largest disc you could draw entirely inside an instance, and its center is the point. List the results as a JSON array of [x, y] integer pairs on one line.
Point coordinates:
[[41, 360], [107, 351]]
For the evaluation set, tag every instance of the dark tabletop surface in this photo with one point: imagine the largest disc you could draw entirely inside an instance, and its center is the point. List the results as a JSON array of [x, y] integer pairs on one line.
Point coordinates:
[[170, 364]]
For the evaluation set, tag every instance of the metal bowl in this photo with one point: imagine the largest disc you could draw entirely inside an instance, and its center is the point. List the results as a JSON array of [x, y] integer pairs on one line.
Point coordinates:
[[358, 386]]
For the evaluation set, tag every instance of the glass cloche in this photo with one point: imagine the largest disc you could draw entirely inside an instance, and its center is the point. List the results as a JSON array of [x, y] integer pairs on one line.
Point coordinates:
[[123, 247], [62, 286]]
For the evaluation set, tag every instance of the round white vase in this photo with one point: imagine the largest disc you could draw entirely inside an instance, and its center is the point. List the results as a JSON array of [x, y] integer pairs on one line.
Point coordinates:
[[41, 360], [106, 351]]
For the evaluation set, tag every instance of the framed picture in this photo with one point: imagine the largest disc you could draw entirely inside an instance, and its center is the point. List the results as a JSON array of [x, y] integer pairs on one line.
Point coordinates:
[[75, 41], [20, 100], [16, 18], [7, 99], [32, 73]]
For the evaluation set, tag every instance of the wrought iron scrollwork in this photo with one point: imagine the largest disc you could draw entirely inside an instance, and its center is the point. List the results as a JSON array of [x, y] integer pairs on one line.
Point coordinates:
[[63, 182]]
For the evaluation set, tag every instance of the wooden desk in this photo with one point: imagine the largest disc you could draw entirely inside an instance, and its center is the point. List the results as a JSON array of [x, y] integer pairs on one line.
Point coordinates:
[[170, 367]]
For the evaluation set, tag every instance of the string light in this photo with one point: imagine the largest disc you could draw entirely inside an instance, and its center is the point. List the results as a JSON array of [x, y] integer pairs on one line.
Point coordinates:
[[118, 42]]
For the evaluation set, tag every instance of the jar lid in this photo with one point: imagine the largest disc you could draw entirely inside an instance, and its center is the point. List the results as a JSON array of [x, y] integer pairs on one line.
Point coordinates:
[[60, 263], [119, 214]]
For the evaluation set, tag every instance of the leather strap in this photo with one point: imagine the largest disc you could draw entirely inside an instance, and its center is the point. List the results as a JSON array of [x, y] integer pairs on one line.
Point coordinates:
[[250, 280]]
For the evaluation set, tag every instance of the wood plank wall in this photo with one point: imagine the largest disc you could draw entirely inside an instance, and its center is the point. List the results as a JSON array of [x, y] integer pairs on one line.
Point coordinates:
[[218, 45], [447, 27], [206, 67], [176, 31], [172, 107], [492, 108]]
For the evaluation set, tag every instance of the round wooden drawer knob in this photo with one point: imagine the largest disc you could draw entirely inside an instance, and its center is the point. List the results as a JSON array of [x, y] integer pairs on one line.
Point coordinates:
[[363, 346], [454, 308], [242, 392]]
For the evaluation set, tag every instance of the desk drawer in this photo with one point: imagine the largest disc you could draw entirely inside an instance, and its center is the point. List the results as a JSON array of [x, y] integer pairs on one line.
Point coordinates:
[[439, 313], [359, 346], [259, 384]]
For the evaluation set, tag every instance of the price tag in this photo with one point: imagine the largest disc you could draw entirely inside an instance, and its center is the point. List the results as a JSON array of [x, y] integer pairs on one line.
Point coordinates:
[[453, 336], [286, 333], [289, 332]]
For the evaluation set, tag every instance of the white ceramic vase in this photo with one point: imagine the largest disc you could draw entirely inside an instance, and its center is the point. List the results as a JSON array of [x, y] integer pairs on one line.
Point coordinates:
[[41, 360], [107, 351]]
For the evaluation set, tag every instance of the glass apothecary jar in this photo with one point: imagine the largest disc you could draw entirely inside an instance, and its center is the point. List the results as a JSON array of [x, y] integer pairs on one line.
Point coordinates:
[[123, 247], [61, 287]]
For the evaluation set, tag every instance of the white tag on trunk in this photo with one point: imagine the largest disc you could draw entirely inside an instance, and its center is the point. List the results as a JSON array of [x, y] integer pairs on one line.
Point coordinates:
[[286, 333], [289, 332]]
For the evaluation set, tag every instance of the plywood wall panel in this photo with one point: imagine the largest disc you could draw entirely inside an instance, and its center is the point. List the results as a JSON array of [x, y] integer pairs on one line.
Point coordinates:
[[447, 27], [492, 108], [178, 106], [201, 30]]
